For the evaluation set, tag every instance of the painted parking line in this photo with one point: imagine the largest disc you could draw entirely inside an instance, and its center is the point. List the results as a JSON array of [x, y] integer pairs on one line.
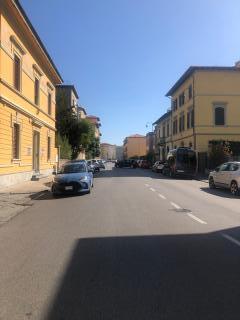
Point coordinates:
[[162, 196], [176, 206], [233, 240], [152, 189], [196, 218]]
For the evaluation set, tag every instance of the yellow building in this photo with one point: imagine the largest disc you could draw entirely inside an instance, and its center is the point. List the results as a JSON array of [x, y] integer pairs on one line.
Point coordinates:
[[163, 136], [27, 98], [205, 109], [134, 146]]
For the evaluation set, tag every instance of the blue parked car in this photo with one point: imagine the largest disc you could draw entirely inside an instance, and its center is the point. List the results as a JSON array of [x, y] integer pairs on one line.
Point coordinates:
[[73, 178]]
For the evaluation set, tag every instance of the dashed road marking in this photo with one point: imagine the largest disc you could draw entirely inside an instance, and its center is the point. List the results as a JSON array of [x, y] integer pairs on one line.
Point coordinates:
[[152, 189], [175, 205], [196, 218], [226, 236], [162, 196]]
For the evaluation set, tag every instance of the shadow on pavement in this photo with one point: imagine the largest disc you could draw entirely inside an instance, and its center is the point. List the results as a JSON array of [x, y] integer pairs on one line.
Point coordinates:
[[223, 193], [128, 172], [191, 276]]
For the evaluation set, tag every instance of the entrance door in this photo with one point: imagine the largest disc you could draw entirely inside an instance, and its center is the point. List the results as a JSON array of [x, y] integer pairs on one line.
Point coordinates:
[[36, 148]]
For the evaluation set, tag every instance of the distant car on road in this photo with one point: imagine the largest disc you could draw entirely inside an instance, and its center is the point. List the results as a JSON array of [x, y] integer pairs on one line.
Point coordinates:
[[101, 164], [226, 176], [145, 164], [93, 165], [73, 178], [158, 166], [126, 164]]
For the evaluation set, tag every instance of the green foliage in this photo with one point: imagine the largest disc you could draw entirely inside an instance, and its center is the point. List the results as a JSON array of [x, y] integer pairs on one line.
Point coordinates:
[[93, 149], [65, 147], [220, 153], [150, 157], [79, 133]]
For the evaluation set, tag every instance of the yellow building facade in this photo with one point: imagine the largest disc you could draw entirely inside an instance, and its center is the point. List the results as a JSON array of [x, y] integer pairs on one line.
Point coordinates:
[[27, 99], [206, 108], [134, 146]]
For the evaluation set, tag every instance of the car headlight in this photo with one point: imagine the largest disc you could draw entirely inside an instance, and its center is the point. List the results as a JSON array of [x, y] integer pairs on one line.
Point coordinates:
[[83, 178]]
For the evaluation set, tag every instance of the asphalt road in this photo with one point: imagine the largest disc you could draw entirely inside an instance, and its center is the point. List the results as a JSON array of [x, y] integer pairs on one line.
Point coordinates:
[[140, 246]]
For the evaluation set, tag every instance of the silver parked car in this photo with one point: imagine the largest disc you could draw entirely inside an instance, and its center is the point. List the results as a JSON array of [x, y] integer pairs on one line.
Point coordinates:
[[73, 178], [226, 176]]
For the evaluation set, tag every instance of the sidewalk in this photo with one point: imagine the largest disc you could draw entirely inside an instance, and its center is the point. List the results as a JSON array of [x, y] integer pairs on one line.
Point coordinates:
[[15, 199]]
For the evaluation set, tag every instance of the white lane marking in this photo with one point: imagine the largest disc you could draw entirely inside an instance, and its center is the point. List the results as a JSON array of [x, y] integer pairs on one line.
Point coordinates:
[[152, 189], [175, 205], [147, 185], [162, 196], [226, 236], [196, 218]]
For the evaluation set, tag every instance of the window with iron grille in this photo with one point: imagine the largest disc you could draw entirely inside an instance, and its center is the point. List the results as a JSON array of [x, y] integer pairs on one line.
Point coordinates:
[[181, 99], [190, 119], [190, 92], [48, 148], [219, 116], [17, 72], [16, 141], [36, 91], [168, 130], [49, 103]]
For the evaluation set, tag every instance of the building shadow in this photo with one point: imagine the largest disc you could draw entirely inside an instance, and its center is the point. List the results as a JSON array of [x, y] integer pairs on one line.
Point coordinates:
[[137, 172], [223, 193], [190, 276]]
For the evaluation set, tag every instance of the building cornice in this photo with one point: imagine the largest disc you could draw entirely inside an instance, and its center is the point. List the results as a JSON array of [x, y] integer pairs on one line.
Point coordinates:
[[26, 99], [36, 37], [35, 119]]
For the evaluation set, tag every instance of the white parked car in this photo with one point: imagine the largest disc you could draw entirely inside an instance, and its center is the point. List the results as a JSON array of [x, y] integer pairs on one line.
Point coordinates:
[[226, 176]]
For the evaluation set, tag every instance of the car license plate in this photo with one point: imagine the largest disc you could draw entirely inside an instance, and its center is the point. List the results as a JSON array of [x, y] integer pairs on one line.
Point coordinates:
[[68, 187]]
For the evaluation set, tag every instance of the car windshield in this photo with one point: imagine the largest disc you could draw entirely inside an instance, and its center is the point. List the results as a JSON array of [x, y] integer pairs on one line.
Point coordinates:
[[73, 168]]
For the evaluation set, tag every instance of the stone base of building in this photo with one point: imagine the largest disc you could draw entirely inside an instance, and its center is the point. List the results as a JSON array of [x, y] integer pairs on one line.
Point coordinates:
[[7, 180]]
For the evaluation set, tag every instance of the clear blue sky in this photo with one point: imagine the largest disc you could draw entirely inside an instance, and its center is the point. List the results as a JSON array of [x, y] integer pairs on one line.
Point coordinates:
[[124, 55]]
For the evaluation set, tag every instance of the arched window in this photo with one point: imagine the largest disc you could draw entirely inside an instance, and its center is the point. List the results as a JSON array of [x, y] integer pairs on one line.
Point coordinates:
[[219, 114]]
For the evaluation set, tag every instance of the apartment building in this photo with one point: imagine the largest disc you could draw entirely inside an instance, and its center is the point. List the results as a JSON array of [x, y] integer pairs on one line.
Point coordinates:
[[108, 151], [28, 78], [163, 135], [205, 109], [150, 143], [134, 146]]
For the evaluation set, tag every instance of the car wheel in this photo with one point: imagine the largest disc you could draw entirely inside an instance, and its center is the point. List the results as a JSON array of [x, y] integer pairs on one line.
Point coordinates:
[[211, 183], [234, 188]]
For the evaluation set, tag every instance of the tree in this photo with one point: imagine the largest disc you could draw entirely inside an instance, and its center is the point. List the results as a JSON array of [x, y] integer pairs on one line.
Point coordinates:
[[80, 136], [219, 154], [65, 147], [79, 133], [65, 116]]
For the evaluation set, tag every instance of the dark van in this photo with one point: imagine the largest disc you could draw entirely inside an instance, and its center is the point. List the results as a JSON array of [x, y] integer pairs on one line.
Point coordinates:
[[181, 162]]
